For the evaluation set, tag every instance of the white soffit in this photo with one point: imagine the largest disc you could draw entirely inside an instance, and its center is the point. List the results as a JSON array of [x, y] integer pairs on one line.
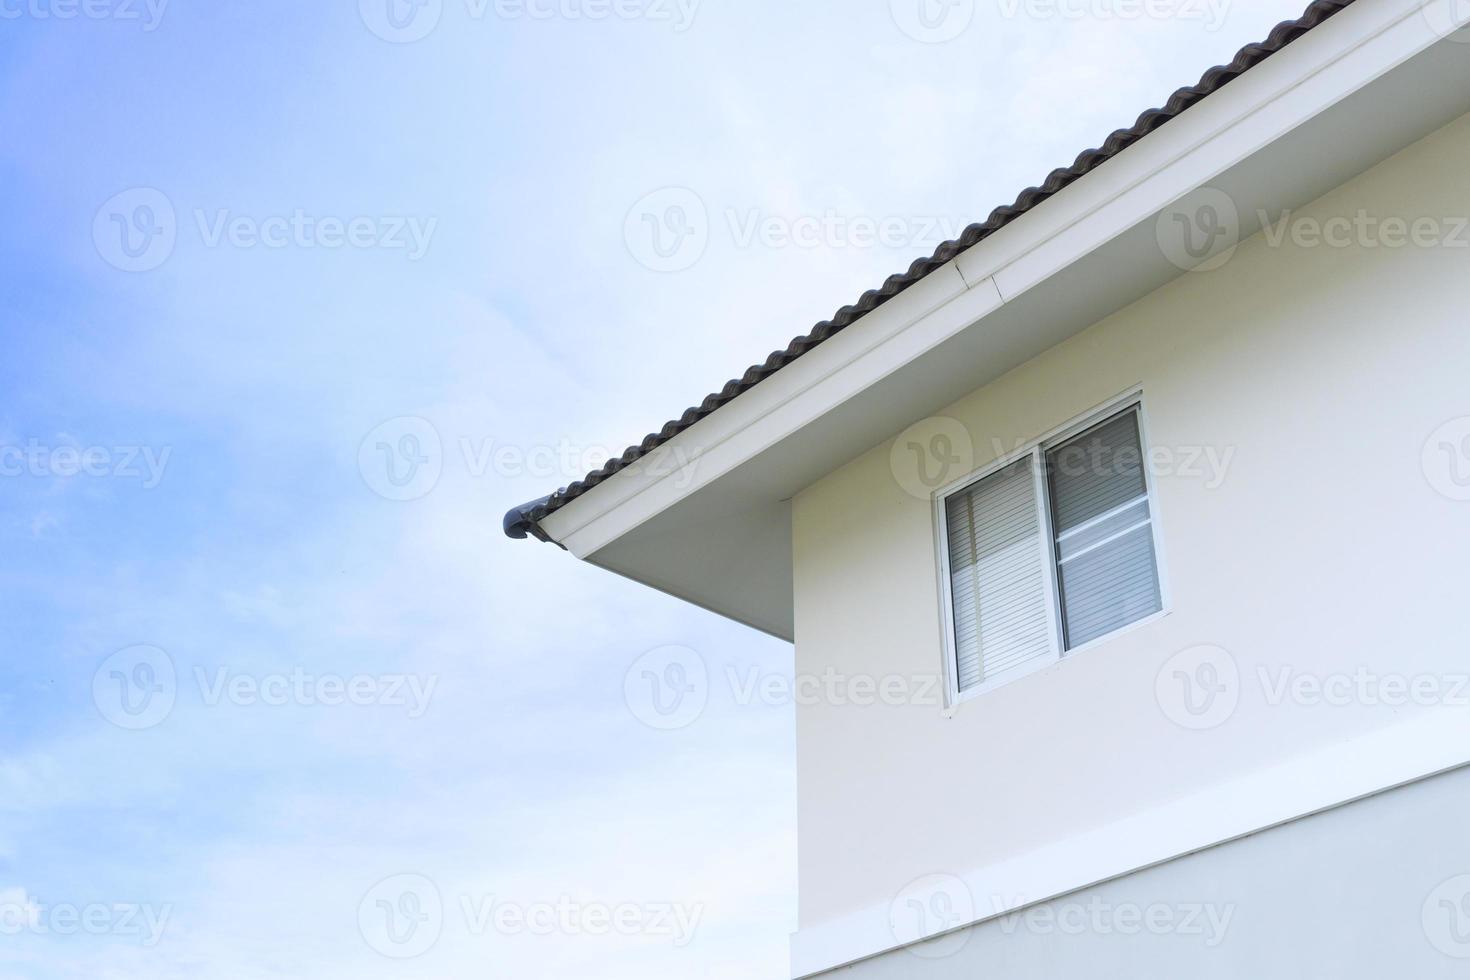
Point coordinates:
[[1370, 81]]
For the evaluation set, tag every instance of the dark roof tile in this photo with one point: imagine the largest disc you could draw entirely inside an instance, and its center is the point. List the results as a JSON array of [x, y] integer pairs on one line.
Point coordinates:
[[526, 518]]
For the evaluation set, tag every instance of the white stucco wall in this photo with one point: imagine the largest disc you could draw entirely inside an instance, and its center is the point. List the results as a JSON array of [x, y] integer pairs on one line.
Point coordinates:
[[1372, 890], [1321, 372]]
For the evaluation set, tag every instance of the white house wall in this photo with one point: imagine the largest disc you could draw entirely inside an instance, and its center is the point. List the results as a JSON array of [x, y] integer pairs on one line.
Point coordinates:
[[1302, 529], [1370, 891]]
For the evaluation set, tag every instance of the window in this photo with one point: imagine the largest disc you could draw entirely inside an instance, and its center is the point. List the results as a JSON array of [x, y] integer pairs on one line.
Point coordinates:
[[1049, 551]]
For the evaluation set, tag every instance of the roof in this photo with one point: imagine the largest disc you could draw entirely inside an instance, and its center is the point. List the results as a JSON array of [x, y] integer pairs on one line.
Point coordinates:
[[525, 519]]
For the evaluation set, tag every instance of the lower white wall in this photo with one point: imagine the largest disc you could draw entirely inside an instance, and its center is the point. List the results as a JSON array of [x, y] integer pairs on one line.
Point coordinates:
[[1376, 889], [1323, 548]]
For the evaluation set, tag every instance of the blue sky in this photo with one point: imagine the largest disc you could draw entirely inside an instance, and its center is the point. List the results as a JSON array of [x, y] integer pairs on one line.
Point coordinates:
[[230, 530]]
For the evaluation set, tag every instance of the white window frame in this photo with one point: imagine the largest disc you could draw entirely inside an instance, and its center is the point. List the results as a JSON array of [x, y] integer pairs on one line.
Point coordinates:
[[1036, 450]]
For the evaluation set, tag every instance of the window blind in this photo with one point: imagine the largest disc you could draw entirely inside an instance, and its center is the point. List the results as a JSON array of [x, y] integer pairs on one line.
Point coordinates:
[[1107, 574], [998, 569]]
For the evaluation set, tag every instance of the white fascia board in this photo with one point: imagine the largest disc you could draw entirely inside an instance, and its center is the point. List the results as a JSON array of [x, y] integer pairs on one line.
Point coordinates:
[[1314, 72], [1299, 787], [1328, 64]]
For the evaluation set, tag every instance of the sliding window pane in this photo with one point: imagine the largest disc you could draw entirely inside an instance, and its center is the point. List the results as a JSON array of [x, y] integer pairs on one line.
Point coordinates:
[[1107, 572]]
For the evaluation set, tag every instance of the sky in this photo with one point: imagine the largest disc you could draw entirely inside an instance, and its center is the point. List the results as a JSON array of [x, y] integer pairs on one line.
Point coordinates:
[[297, 299]]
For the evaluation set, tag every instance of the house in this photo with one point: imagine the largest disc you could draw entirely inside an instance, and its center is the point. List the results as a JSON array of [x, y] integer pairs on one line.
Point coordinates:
[[1133, 526]]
